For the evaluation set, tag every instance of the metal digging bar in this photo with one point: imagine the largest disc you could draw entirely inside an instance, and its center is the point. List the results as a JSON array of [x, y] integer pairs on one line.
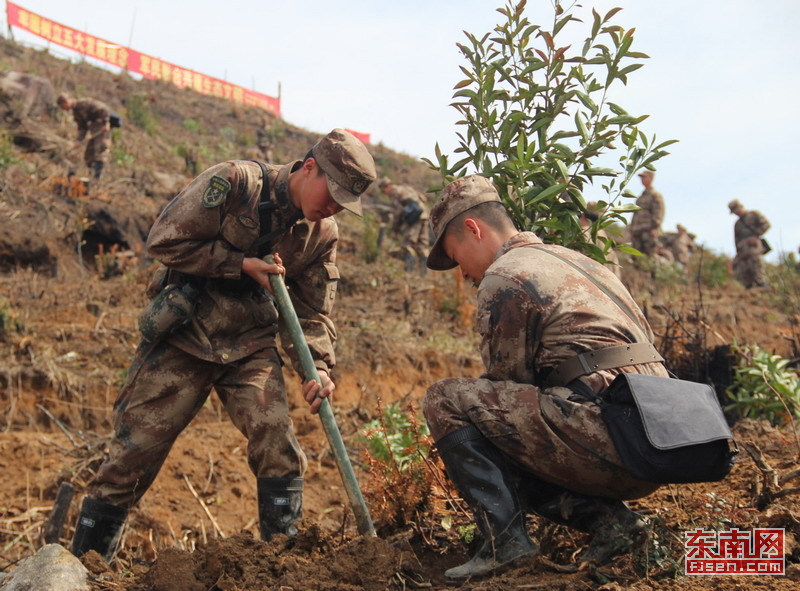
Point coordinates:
[[287, 311]]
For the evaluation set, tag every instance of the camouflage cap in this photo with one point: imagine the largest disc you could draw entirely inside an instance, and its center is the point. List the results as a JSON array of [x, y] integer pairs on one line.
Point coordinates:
[[348, 167], [384, 182], [456, 198], [735, 205]]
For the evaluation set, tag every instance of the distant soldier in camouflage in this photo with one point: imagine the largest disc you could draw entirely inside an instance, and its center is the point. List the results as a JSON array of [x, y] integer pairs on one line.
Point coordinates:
[[94, 120], [25, 95], [681, 244], [748, 265], [410, 221], [645, 226], [213, 323], [526, 436]]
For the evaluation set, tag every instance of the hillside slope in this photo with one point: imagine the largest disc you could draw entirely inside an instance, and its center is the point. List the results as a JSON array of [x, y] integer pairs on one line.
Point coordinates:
[[72, 279]]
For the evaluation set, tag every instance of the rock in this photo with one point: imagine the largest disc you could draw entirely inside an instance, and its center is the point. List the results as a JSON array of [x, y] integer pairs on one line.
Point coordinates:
[[52, 568]]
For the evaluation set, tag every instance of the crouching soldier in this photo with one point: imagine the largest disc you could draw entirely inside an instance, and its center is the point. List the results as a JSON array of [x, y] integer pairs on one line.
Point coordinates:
[[527, 435], [213, 324]]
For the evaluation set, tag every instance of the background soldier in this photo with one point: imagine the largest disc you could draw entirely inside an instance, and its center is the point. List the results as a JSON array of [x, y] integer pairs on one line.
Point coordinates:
[[748, 265], [411, 222], [528, 436], [681, 244], [93, 119], [645, 226], [211, 239], [25, 95]]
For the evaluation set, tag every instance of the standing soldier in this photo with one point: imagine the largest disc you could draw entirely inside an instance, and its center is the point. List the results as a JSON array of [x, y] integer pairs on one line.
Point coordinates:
[[646, 223], [213, 324], [748, 265], [93, 119], [411, 221], [527, 436]]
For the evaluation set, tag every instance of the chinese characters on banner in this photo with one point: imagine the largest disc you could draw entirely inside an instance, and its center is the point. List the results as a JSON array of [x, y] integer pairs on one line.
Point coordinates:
[[735, 552], [134, 61]]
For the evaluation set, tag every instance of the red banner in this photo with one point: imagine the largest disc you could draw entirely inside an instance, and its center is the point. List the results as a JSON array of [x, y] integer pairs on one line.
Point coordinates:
[[136, 62]]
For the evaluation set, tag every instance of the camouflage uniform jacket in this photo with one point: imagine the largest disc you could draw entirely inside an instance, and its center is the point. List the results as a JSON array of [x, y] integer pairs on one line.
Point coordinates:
[[752, 223], [203, 235], [535, 311], [651, 214], [89, 112]]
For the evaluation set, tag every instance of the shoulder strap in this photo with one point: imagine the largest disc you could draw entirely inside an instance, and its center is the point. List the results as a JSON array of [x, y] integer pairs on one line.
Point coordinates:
[[602, 288], [265, 209], [607, 358]]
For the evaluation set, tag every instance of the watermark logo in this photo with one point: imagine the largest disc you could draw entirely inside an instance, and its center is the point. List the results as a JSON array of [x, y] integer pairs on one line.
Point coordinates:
[[735, 552]]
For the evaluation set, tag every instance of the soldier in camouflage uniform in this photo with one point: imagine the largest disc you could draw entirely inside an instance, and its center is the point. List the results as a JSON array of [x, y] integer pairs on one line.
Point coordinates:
[[526, 435], [748, 265], [25, 95], [645, 226], [411, 221], [93, 119], [681, 244], [210, 240]]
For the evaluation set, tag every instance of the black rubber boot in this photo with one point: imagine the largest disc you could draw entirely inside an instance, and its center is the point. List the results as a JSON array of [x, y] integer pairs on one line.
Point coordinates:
[[97, 167], [280, 505], [480, 474], [615, 528], [99, 527]]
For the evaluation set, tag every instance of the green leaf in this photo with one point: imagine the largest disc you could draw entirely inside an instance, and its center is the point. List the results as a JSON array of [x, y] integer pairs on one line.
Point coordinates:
[[587, 101], [556, 189], [600, 171], [628, 69]]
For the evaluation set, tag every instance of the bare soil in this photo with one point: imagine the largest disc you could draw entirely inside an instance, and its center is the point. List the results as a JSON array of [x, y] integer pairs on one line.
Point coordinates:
[[69, 331]]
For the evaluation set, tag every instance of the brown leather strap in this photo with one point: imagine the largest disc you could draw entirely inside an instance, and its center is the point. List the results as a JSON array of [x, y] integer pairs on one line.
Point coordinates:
[[608, 358]]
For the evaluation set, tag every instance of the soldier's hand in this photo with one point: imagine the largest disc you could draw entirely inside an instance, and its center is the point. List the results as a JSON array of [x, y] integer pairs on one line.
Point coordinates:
[[753, 240], [313, 392], [261, 270]]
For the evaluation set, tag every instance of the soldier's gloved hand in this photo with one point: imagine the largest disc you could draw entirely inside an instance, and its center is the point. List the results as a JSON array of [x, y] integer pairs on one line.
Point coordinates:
[[313, 392], [261, 270]]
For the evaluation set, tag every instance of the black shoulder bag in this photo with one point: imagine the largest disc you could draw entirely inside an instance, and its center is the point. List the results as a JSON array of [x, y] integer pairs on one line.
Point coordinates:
[[665, 430]]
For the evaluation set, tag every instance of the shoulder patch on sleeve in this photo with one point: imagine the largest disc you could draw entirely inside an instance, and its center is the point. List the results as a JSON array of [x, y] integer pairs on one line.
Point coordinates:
[[216, 191]]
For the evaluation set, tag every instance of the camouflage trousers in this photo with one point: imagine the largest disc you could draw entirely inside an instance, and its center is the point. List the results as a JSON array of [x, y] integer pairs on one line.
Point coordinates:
[[749, 270], [555, 439], [165, 390], [98, 144], [416, 238]]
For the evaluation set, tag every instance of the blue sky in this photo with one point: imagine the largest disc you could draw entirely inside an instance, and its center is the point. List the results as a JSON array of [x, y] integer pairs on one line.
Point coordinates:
[[721, 79]]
